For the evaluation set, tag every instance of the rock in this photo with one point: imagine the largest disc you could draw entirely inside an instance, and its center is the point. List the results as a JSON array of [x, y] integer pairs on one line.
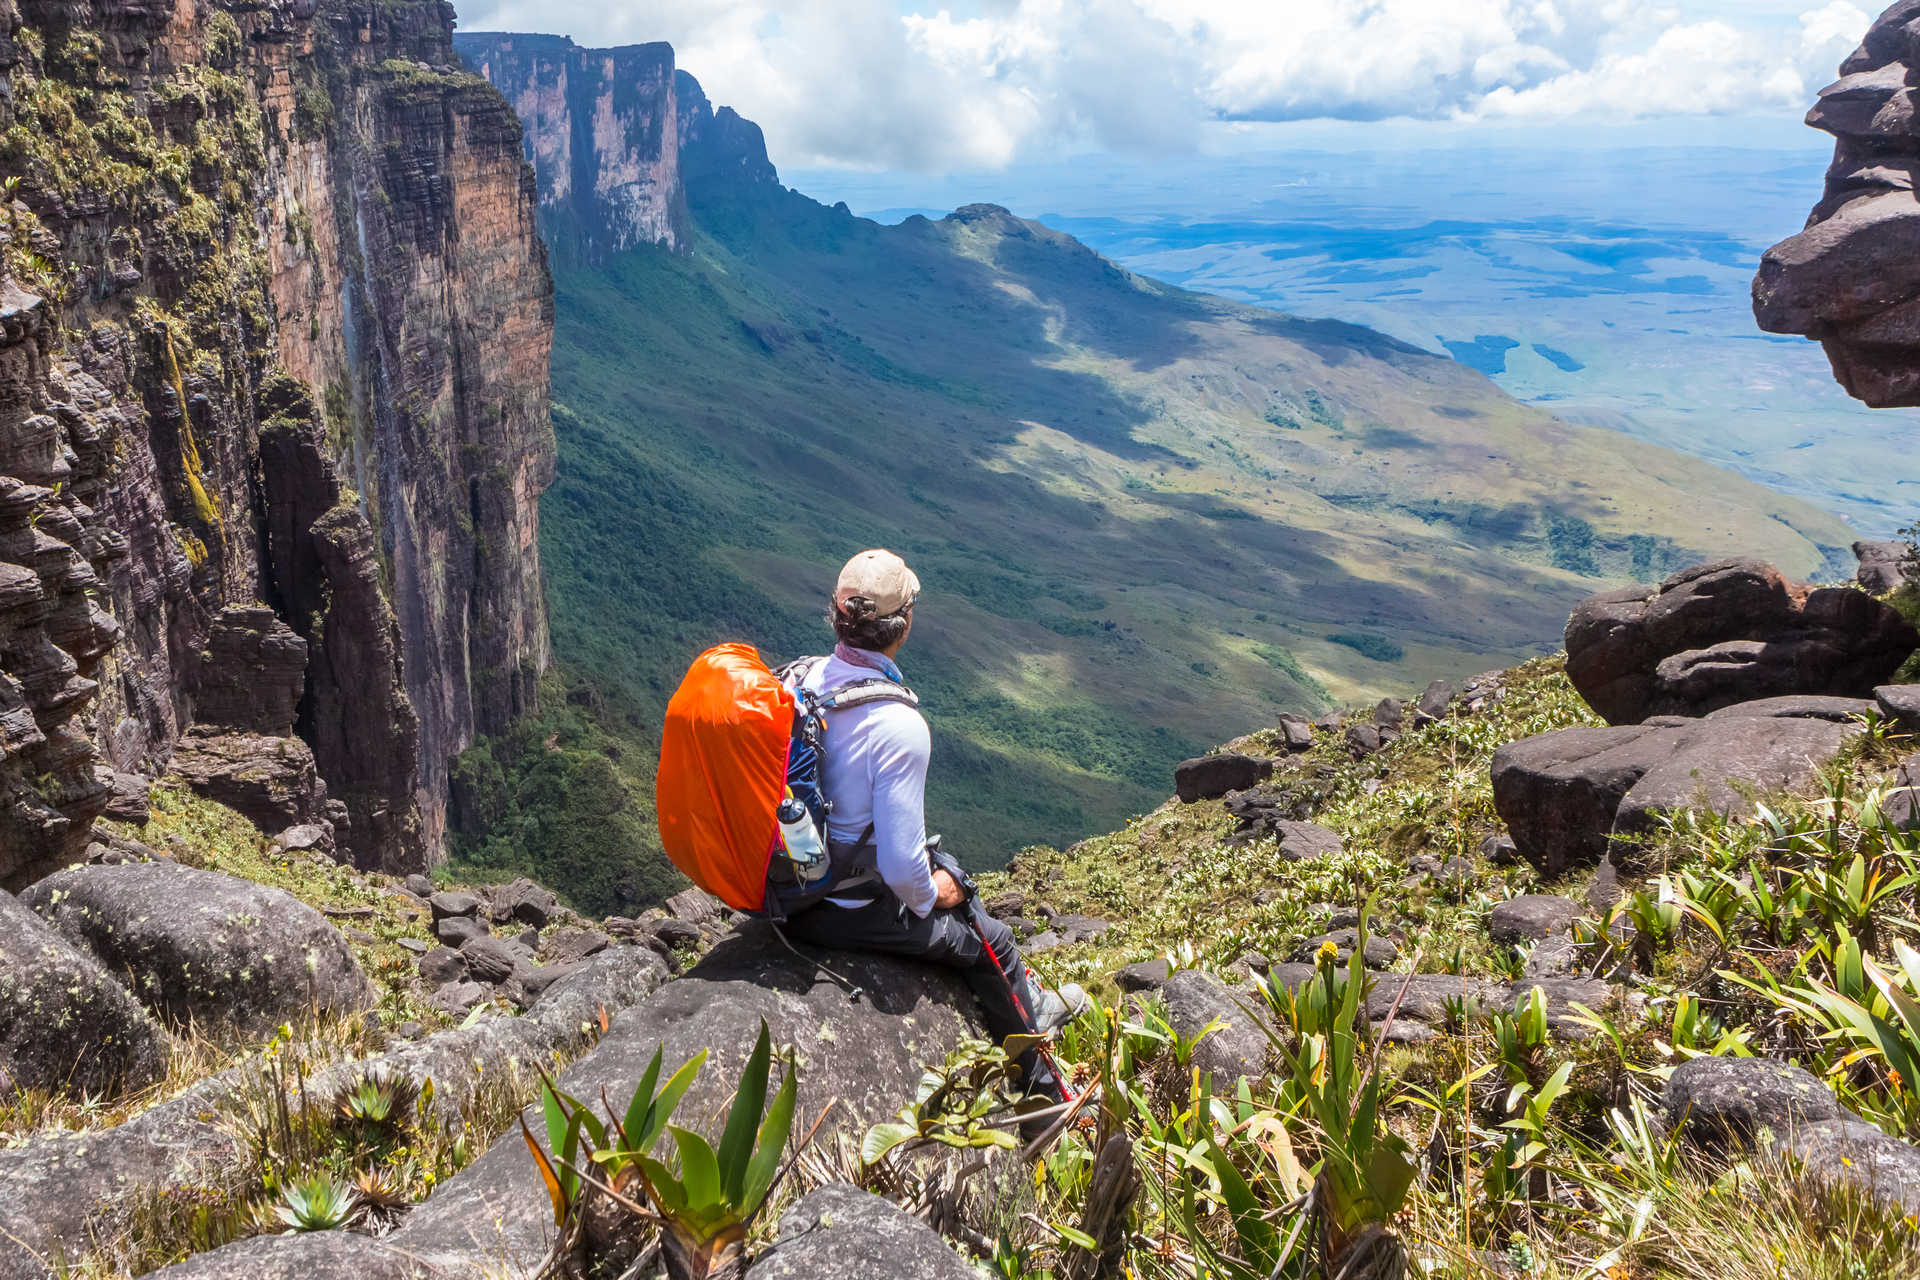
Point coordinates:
[[1381, 952], [531, 981], [488, 959], [695, 906], [314, 1255], [1902, 804], [251, 673], [1435, 702], [1797, 707], [458, 999], [204, 948], [1306, 840], [529, 938], [1043, 941], [1565, 795], [868, 1052], [419, 886], [1900, 703], [1722, 1102], [1605, 889], [1882, 566], [1330, 722], [308, 837], [1078, 928], [1296, 732], [526, 902], [1728, 632], [1500, 850], [55, 1192], [1563, 993], [66, 1025], [569, 946], [1363, 740], [840, 1232], [127, 801], [454, 931], [1531, 917], [1427, 995], [676, 932], [269, 780], [1850, 1152], [414, 945], [1238, 1048], [443, 965], [454, 904], [1210, 777], [1554, 957], [1003, 905], [1391, 713], [1146, 975]]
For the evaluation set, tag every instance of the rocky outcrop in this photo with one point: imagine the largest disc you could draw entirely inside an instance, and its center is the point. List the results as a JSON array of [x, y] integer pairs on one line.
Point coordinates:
[[602, 133], [206, 950], [65, 1024], [1883, 565], [1210, 777], [1851, 279], [1729, 632], [1574, 797], [299, 242], [843, 1233]]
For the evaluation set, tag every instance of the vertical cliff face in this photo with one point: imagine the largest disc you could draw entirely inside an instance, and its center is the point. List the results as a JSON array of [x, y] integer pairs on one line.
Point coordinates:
[[1851, 279], [275, 325], [602, 132]]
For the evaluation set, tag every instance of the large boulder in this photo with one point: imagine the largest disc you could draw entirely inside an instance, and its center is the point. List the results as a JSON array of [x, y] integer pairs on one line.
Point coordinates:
[[1729, 632], [1238, 1047], [843, 1233], [1899, 703], [1210, 777], [865, 1048], [65, 1024], [1883, 565], [1575, 796], [206, 949], [269, 779]]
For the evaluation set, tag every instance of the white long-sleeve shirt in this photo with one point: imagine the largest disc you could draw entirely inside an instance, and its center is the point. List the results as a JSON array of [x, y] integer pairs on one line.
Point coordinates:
[[873, 770]]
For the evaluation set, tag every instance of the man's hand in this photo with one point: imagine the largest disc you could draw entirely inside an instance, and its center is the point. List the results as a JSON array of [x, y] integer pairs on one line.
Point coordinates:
[[948, 889]]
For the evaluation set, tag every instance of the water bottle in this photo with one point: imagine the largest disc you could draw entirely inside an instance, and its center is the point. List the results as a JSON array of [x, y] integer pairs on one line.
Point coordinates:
[[802, 840]]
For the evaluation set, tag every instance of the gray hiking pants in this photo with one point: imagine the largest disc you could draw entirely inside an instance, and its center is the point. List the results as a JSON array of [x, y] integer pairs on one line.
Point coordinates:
[[943, 937]]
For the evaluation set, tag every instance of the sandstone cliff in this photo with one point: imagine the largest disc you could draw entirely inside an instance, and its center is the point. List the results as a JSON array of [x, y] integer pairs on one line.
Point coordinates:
[[602, 132], [274, 332], [1851, 279]]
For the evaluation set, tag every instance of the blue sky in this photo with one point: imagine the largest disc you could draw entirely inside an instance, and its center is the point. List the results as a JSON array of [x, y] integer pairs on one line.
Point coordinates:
[[934, 88]]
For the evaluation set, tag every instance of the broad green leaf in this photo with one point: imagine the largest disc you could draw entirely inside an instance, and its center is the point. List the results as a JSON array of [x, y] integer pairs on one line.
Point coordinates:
[[743, 1119], [1259, 1241], [556, 1115], [632, 1130], [1073, 1235], [699, 1168], [771, 1144], [670, 1095], [883, 1138], [663, 1186]]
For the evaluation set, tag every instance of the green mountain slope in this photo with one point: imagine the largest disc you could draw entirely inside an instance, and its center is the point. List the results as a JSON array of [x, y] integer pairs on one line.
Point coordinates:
[[1145, 519]]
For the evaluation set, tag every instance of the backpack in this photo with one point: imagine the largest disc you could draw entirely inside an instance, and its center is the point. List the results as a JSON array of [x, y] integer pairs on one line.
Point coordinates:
[[741, 738]]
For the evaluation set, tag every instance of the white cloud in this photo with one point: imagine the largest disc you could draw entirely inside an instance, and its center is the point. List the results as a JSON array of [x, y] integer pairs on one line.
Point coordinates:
[[872, 82]]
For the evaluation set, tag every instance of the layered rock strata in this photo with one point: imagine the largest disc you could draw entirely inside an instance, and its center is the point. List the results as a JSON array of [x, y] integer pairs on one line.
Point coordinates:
[[1851, 279], [274, 326]]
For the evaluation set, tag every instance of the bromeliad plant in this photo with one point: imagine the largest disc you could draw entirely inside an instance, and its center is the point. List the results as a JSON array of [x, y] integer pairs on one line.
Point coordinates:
[[706, 1200]]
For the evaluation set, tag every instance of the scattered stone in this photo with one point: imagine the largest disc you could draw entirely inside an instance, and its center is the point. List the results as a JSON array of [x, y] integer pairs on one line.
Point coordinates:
[[1882, 566], [1728, 632], [1363, 740], [1238, 1048], [531, 981], [1434, 703], [455, 930], [1045, 940], [1902, 806], [695, 906], [308, 837], [1330, 722], [1722, 1102], [1380, 954], [1605, 889], [1556, 957], [443, 965], [676, 932], [204, 948], [1078, 928], [360, 936], [1531, 917], [488, 959], [1210, 777], [621, 926], [127, 801], [1900, 703], [1296, 732], [415, 945], [65, 1024], [1146, 975], [1500, 850], [454, 904], [458, 999], [1390, 714], [1003, 905], [1427, 995], [419, 886], [529, 938], [525, 902], [1563, 993], [840, 1232]]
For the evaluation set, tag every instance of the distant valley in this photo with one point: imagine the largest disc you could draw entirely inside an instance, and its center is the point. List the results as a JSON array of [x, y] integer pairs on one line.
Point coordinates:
[[1147, 519]]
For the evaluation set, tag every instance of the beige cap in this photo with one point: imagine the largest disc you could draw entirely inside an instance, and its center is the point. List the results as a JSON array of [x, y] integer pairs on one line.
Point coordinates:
[[881, 577]]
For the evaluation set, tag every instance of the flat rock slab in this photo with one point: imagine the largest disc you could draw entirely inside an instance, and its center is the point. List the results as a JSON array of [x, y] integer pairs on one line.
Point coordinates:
[[204, 948], [316, 1255], [66, 1024], [1381, 952], [840, 1232], [1573, 797], [1900, 703], [1238, 1048], [867, 1052], [1532, 917], [1424, 997]]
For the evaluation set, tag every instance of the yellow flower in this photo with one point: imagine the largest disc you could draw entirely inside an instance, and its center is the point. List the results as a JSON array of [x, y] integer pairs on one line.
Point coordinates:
[[1327, 954]]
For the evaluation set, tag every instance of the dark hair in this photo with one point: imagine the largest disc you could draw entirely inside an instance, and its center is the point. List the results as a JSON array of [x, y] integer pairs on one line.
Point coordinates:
[[859, 623]]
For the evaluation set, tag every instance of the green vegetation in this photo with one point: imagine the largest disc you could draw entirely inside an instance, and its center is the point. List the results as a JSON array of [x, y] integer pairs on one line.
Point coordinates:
[[1378, 648]]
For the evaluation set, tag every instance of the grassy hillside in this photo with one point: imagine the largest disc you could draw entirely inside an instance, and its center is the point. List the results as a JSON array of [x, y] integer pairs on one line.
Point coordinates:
[[1146, 519]]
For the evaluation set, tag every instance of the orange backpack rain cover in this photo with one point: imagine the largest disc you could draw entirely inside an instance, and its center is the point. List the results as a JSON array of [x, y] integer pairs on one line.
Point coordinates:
[[723, 773]]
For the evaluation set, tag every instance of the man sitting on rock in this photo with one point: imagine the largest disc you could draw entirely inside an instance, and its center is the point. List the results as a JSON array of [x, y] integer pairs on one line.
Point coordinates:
[[873, 772]]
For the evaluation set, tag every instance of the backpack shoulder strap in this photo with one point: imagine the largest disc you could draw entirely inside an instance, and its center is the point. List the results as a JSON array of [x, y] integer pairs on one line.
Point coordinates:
[[859, 693]]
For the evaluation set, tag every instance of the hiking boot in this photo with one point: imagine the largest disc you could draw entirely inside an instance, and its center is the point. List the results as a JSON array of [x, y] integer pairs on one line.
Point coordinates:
[[1057, 1008]]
